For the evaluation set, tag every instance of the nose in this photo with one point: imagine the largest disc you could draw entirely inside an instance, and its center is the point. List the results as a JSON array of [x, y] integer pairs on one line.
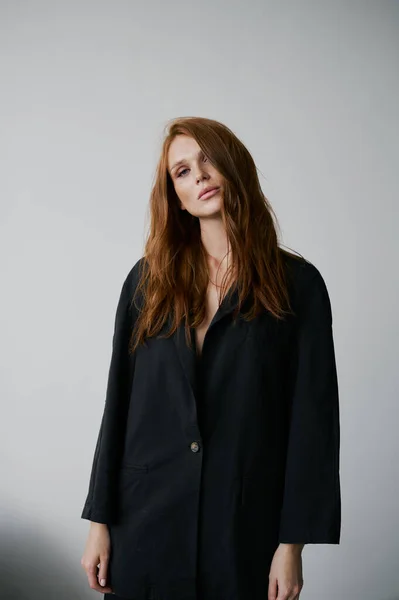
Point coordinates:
[[200, 177]]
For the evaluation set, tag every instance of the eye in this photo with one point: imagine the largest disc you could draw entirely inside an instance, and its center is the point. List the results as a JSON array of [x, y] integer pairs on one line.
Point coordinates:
[[205, 158]]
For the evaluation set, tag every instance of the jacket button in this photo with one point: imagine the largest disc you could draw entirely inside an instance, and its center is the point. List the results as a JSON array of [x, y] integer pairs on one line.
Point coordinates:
[[194, 446]]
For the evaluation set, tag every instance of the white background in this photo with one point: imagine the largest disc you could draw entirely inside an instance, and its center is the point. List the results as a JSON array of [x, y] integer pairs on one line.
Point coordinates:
[[86, 89]]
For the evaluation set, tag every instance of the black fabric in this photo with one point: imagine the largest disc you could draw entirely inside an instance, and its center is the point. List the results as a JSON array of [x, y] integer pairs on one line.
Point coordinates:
[[199, 400], [261, 408]]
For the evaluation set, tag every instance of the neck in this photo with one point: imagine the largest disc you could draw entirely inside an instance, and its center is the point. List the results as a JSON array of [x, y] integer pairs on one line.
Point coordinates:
[[215, 241]]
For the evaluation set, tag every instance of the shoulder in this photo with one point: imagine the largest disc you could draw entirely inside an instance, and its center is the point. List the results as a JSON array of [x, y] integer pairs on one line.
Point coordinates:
[[306, 283], [134, 274], [129, 298], [301, 271]]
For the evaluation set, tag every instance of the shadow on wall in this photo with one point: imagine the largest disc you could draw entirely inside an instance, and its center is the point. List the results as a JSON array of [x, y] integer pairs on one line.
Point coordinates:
[[33, 567]]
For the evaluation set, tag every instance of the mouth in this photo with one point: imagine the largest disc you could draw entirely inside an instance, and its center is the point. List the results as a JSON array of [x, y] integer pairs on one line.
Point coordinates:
[[207, 193]]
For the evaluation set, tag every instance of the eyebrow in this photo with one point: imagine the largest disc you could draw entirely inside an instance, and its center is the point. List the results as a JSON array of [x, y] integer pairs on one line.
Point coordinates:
[[183, 160]]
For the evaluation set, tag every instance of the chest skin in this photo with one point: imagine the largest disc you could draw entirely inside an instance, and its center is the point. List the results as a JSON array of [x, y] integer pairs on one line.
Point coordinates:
[[211, 306]]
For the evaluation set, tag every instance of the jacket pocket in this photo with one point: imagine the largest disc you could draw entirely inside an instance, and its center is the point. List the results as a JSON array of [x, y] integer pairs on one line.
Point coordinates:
[[126, 466]]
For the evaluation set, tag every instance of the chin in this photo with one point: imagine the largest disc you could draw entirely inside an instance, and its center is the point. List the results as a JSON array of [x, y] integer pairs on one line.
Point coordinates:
[[210, 211]]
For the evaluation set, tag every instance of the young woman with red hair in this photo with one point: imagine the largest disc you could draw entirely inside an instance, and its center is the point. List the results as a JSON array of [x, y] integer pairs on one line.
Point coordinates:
[[217, 458]]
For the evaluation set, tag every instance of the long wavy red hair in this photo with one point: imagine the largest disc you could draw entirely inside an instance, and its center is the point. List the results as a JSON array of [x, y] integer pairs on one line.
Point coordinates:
[[175, 278]]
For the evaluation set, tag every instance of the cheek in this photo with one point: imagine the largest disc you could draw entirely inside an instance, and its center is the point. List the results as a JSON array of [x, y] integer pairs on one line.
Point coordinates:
[[186, 190], [186, 196]]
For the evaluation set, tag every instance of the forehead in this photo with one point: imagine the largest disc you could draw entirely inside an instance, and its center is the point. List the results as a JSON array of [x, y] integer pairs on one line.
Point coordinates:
[[183, 147]]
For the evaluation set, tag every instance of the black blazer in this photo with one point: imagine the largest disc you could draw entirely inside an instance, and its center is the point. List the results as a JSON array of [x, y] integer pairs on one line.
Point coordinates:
[[199, 485]]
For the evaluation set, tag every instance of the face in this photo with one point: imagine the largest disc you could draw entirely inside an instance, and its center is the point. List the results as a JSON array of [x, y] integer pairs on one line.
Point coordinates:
[[192, 175]]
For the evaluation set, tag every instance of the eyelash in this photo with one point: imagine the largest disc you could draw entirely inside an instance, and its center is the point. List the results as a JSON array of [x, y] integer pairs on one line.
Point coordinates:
[[182, 171]]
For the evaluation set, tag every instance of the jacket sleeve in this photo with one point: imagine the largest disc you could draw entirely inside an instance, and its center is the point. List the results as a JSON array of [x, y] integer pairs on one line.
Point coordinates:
[[311, 509], [100, 501]]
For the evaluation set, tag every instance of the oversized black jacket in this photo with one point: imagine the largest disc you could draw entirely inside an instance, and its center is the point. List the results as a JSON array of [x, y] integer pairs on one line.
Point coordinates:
[[199, 481]]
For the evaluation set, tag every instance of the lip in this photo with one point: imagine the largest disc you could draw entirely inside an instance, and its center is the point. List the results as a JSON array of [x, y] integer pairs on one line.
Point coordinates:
[[207, 193]]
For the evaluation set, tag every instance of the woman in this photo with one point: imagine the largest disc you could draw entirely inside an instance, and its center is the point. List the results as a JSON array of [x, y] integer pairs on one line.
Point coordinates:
[[218, 453]]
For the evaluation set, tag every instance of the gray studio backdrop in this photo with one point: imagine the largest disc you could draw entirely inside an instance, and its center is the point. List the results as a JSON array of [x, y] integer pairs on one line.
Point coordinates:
[[86, 89]]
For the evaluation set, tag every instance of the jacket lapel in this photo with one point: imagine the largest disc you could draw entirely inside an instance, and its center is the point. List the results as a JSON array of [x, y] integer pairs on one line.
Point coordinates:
[[187, 354]]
